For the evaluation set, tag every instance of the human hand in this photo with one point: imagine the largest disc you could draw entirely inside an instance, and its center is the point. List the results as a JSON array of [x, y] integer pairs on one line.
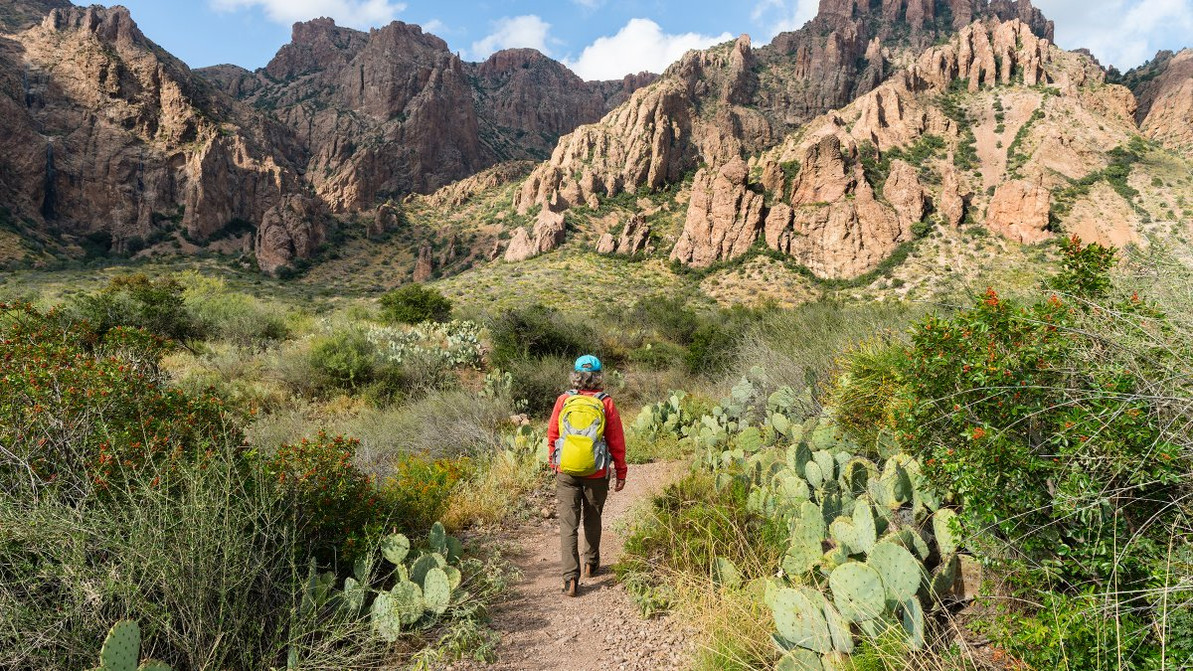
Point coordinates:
[[619, 485]]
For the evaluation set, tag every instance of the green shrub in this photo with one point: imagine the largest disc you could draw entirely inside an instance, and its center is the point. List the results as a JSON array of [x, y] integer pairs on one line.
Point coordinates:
[[538, 331], [414, 304], [1006, 406], [538, 382], [333, 501], [237, 318], [78, 413], [135, 301], [417, 493], [345, 359]]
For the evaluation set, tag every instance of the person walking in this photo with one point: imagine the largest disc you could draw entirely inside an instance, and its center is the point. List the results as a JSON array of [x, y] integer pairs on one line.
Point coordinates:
[[584, 439]]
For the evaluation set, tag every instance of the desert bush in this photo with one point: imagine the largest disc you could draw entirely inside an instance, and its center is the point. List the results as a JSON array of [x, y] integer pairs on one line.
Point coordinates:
[[538, 382], [535, 332], [417, 492], [136, 301], [414, 304], [237, 318], [333, 501], [344, 359], [78, 412]]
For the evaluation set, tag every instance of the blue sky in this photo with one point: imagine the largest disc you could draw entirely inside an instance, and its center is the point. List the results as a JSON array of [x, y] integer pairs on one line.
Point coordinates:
[[602, 39]]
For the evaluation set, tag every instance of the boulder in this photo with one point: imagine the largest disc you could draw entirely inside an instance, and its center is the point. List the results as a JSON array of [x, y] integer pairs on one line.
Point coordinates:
[[289, 231], [1019, 211]]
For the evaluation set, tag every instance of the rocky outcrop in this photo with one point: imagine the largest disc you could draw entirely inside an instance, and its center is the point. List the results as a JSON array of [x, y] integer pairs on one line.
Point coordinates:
[[102, 132], [951, 202], [385, 219], [1019, 211], [549, 232], [526, 101], [1165, 111], [394, 111], [724, 217], [289, 231], [424, 267], [904, 192], [634, 239]]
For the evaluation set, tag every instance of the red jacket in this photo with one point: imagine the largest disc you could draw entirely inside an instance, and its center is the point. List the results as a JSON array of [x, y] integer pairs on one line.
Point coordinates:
[[614, 434]]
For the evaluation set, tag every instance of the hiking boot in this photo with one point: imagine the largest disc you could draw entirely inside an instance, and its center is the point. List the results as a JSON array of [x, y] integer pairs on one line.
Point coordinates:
[[569, 587], [590, 570]]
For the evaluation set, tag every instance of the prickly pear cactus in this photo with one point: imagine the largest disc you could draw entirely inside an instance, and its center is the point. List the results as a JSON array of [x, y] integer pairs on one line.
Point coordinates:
[[437, 591], [418, 570], [857, 592], [394, 548], [122, 650], [386, 619], [911, 615], [901, 573], [725, 573], [437, 539], [946, 535], [800, 621], [807, 532], [353, 596], [799, 660], [408, 602]]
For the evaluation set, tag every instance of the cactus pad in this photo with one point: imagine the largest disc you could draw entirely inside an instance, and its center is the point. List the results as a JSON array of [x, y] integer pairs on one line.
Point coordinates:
[[828, 465], [911, 614], [857, 592], [814, 474], [901, 573], [387, 621], [799, 660], [353, 596], [122, 647], [838, 628], [454, 577], [408, 602], [800, 621], [437, 591], [154, 665], [437, 538], [725, 573], [394, 548], [944, 577], [943, 525], [418, 570]]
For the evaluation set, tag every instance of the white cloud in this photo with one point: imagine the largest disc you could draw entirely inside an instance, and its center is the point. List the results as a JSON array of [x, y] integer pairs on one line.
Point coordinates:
[[779, 16], [528, 31], [355, 13], [640, 45], [1123, 33], [589, 4], [435, 27]]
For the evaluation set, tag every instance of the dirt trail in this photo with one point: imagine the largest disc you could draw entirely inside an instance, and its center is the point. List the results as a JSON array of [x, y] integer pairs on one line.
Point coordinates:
[[541, 630]]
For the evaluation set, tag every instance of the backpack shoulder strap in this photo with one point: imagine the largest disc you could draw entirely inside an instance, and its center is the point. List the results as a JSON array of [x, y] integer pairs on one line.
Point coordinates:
[[602, 396]]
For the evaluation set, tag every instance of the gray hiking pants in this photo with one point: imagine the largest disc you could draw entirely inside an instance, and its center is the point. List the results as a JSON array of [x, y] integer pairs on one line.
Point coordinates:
[[579, 499]]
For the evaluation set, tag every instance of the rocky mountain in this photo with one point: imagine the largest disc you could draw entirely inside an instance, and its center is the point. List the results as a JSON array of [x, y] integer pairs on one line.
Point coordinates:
[[110, 142], [838, 147], [838, 144], [1164, 88], [394, 111], [107, 138]]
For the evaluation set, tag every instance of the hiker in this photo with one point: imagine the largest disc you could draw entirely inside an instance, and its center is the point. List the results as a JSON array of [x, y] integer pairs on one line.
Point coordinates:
[[583, 436]]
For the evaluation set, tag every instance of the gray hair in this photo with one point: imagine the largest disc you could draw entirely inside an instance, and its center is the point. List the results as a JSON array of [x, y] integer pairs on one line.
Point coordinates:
[[588, 380]]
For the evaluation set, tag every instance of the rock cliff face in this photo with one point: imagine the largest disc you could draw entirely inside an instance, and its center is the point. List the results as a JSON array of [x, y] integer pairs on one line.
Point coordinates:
[[394, 111], [1164, 88], [102, 132], [732, 101], [840, 198]]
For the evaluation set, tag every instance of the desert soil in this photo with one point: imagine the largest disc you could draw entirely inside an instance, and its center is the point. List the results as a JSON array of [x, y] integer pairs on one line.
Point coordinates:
[[602, 629]]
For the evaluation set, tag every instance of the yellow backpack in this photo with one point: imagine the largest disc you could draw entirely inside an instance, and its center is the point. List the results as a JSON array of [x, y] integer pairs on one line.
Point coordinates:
[[581, 450]]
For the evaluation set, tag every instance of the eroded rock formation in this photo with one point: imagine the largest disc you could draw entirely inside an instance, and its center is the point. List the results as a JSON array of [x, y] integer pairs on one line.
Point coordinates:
[[634, 239], [1019, 211], [549, 232]]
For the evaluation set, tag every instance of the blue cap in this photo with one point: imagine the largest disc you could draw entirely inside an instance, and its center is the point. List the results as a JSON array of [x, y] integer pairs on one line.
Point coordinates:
[[588, 364]]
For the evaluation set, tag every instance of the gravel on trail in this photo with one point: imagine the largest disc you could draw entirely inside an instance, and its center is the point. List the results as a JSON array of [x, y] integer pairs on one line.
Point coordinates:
[[542, 630]]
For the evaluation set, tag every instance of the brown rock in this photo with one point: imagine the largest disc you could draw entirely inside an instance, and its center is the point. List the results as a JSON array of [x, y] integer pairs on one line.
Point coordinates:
[[385, 219], [290, 231], [951, 203], [724, 217], [424, 268], [904, 192], [634, 239], [1166, 100], [549, 232], [1019, 211]]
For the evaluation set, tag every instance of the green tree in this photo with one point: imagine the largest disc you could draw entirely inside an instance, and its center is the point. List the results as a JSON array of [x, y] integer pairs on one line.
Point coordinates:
[[414, 304]]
